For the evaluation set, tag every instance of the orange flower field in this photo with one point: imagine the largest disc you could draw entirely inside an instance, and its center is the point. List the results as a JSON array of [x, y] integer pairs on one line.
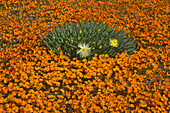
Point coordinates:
[[34, 79]]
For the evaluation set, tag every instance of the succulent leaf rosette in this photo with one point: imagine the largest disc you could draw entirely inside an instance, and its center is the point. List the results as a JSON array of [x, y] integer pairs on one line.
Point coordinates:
[[85, 39]]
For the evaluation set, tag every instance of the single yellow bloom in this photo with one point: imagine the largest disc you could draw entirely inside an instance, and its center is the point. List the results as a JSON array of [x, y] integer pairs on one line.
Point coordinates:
[[80, 31], [114, 42]]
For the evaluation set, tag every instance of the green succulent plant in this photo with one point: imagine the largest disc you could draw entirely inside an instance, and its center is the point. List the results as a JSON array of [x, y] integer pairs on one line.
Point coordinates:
[[85, 39]]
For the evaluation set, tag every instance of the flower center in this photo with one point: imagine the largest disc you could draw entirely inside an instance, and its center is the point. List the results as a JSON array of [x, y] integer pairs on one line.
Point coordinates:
[[114, 42], [83, 50]]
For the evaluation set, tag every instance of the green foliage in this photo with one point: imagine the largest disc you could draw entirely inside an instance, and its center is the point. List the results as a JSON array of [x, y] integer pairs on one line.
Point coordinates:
[[69, 36]]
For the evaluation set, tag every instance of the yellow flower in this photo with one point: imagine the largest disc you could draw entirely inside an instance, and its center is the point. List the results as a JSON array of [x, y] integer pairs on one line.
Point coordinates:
[[114, 42], [84, 51], [80, 31]]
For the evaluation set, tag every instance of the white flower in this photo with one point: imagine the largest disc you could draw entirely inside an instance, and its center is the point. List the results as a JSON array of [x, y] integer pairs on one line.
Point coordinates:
[[84, 51], [114, 42]]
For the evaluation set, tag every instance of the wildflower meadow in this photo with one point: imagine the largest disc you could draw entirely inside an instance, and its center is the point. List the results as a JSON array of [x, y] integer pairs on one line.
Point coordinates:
[[84, 56]]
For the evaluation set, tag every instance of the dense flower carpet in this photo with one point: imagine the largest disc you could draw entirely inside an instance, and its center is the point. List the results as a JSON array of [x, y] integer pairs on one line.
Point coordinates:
[[34, 79]]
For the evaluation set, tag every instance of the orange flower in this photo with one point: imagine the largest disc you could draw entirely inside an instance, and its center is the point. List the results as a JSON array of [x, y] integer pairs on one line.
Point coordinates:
[[100, 46]]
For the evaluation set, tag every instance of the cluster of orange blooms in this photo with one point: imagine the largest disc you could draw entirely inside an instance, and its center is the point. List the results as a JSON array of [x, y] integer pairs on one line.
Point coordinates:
[[34, 79]]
